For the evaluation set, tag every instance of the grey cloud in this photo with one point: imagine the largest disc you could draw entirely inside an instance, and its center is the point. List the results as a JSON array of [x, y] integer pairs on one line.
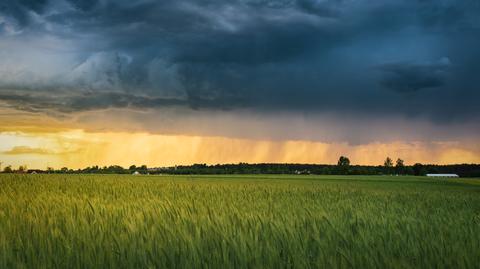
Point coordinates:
[[262, 55], [412, 77], [101, 72], [20, 11], [330, 8], [84, 5], [66, 103]]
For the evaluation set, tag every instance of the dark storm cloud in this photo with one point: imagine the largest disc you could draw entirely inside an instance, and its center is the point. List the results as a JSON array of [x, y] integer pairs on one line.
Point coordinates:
[[84, 5], [412, 77], [83, 102], [19, 10], [304, 55]]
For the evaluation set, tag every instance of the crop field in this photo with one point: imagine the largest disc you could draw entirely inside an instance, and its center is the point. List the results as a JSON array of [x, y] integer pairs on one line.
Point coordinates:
[[124, 221]]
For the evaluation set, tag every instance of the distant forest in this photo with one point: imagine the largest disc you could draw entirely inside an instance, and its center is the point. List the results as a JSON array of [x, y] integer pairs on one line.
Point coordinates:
[[343, 167]]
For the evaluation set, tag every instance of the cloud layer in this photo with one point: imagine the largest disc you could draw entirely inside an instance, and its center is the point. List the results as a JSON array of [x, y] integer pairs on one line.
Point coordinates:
[[389, 58]]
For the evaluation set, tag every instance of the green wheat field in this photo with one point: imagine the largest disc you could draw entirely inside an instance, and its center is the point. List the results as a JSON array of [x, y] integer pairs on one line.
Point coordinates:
[[124, 221]]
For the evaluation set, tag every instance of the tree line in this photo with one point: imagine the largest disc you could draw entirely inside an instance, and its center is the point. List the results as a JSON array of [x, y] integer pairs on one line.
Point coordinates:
[[343, 167]]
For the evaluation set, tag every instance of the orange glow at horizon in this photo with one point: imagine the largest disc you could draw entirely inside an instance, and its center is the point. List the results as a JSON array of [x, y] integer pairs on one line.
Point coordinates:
[[78, 149]]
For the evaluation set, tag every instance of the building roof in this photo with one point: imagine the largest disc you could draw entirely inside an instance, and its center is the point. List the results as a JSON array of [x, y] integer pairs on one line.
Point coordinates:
[[442, 175]]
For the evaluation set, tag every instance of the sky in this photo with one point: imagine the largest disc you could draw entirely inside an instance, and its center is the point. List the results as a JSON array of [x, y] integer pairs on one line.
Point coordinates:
[[86, 82]]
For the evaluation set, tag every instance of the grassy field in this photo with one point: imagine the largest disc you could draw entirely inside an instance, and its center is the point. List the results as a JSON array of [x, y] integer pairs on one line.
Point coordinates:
[[114, 221]]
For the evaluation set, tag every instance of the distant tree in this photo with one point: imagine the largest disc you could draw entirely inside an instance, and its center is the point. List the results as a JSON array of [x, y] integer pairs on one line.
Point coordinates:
[[143, 169], [409, 170], [419, 169], [22, 169], [114, 169], [388, 162], [64, 170], [400, 166], [343, 161], [50, 170], [8, 169], [387, 166], [343, 166], [132, 167]]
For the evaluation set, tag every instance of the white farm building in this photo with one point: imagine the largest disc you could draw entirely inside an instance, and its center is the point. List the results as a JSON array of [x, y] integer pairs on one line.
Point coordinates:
[[442, 175]]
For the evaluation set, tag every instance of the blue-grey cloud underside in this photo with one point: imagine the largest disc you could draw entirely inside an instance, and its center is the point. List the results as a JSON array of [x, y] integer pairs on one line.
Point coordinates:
[[402, 58]]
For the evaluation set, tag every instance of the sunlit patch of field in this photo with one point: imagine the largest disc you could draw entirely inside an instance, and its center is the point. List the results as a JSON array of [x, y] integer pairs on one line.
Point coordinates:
[[264, 221]]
